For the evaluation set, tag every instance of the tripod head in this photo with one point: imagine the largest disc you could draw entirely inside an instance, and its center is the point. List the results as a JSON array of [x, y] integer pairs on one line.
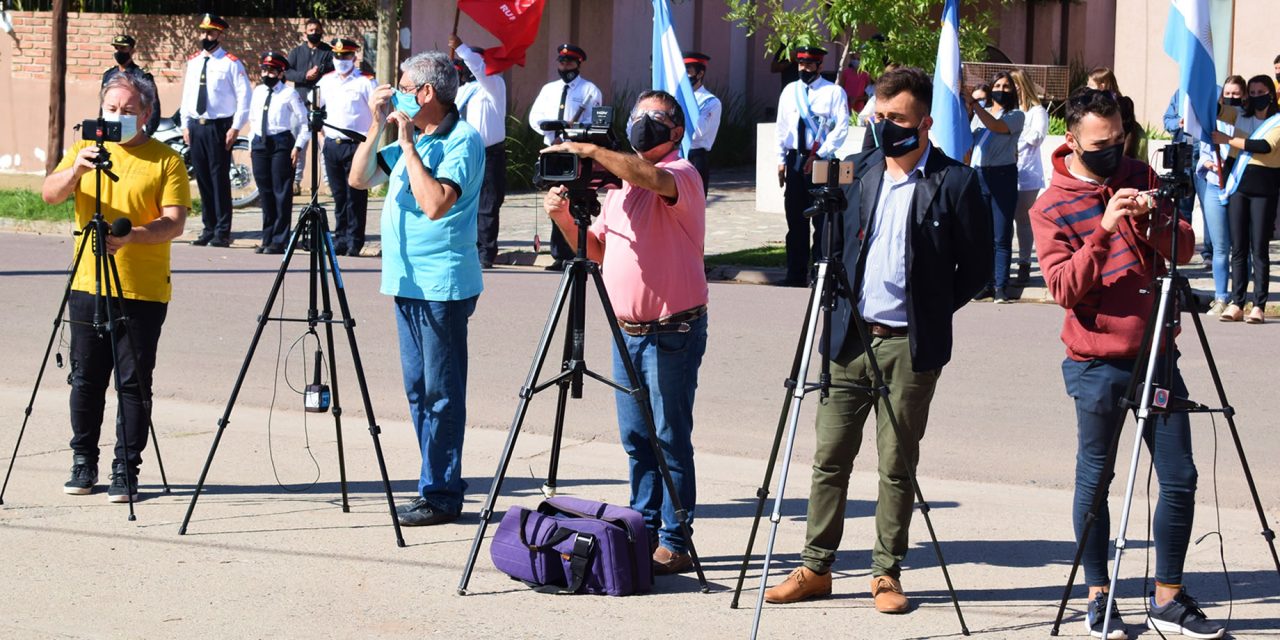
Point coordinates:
[[584, 206], [100, 131]]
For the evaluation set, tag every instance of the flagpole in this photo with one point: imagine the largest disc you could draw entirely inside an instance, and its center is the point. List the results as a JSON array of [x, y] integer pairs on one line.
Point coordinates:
[[457, 13]]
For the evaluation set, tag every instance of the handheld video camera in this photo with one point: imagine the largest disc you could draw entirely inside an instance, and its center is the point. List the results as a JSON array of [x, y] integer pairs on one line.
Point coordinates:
[[575, 173], [1176, 183]]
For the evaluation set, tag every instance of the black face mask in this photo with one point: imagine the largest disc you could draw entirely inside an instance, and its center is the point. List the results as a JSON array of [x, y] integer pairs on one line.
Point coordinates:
[[808, 77], [897, 140], [1259, 103], [568, 75], [647, 133], [208, 45], [123, 58], [695, 79], [1002, 98], [1103, 162], [1233, 102], [315, 38], [270, 81]]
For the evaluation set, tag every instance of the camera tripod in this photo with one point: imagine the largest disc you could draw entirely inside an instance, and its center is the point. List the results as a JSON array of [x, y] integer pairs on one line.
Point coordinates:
[[312, 230], [583, 205], [1157, 356], [105, 323], [830, 288]]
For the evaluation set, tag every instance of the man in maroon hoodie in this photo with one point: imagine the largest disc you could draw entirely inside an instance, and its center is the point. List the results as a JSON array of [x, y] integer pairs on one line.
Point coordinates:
[[1102, 241]]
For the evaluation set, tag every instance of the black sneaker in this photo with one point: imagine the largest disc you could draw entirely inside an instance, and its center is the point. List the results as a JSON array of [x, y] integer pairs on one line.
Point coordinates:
[[1001, 297], [421, 514], [1096, 616], [84, 475], [1182, 615], [118, 491]]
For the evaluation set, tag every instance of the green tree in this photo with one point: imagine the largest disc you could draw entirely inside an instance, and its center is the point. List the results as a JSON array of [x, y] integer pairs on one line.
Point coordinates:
[[909, 27]]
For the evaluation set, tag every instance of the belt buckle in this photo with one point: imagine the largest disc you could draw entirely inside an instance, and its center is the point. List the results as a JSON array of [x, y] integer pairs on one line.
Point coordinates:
[[203, 121]]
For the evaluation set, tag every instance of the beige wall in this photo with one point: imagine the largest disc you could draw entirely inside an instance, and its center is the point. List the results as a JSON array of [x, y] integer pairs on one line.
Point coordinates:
[[1150, 77]]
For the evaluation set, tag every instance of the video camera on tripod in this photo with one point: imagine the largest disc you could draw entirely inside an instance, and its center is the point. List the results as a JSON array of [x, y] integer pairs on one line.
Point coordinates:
[[1176, 183], [567, 169]]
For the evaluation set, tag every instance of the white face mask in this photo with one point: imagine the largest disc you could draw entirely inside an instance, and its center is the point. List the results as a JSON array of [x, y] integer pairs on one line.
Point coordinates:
[[128, 125], [344, 66]]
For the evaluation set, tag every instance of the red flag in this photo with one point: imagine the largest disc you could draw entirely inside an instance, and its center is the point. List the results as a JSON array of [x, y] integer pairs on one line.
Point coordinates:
[[513, 22]]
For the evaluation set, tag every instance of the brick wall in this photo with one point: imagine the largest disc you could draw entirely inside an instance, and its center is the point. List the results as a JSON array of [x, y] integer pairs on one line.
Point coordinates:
[[164, 42]]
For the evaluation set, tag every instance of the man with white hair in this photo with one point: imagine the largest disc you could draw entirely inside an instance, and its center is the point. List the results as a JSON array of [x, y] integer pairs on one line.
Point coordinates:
[[430, 262]]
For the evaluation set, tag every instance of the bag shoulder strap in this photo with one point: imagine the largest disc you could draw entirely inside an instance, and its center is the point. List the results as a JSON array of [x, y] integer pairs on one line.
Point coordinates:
[[584, 546]]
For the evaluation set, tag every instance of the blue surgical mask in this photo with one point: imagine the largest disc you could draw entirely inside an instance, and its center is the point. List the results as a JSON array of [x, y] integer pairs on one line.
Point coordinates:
[[406, 103], [344, 66], [128, 125]]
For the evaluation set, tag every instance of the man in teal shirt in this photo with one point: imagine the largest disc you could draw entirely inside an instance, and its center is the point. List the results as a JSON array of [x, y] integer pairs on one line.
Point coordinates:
[[429, 262]]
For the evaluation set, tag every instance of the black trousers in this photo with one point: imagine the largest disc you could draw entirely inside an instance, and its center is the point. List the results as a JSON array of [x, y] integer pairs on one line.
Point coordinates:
[[700, 159], [1251, 219], [796, 199], [91, 367], [350, 205], [212, 163], [492, 194], [273, 172]]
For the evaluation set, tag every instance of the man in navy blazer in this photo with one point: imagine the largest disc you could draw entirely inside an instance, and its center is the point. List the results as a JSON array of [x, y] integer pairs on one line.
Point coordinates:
[[916, 246]]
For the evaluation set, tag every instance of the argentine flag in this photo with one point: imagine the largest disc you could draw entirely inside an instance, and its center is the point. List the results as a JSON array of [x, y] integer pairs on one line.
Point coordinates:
[[1187, 39], [950, 131], [668, 69]]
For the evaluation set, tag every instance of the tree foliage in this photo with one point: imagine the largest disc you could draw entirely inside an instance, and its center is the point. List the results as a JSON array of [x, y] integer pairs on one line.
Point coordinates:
[[909, 28]]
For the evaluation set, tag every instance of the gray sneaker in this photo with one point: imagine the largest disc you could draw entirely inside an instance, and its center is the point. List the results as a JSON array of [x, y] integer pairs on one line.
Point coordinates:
[[1097, 615], [84, 475], [1182, 615]]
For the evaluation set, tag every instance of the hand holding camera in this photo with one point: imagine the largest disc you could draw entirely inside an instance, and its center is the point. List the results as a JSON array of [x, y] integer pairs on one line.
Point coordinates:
[[1126, 203]]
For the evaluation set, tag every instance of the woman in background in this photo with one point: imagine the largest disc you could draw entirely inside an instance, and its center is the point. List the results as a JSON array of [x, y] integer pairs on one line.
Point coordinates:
[[1030, 169]]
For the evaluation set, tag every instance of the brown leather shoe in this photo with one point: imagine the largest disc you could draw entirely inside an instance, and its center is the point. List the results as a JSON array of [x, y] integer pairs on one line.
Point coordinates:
[[1255, 316], [667, 562], [802, 584], [888, 595], [1233, 313]]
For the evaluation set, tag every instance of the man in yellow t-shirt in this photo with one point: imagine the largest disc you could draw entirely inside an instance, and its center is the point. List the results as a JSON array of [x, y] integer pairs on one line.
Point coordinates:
[[154, 193]]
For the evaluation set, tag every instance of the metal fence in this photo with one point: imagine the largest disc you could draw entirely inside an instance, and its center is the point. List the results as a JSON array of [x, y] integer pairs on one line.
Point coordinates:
[[330, 9], [1053, 81]]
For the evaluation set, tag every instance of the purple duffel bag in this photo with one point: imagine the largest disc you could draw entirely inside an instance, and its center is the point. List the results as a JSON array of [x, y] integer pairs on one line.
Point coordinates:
[[571, 545]]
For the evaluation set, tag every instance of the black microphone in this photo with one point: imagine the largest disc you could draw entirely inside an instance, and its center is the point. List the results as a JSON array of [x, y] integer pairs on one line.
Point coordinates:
[[553, 125], [121, 227]]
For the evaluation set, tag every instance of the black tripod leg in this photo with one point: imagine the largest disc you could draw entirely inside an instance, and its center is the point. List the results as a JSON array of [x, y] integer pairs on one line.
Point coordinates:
[[321, 256], [244, 368], [641, 395], [882, 390], [522, 407], [44, 362], [1100, 496], [349, 324], [1229, 412], [762, 494], [562, 401]]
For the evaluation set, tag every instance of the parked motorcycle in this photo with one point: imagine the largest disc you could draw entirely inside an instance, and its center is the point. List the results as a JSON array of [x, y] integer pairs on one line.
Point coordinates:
[[244, 191]]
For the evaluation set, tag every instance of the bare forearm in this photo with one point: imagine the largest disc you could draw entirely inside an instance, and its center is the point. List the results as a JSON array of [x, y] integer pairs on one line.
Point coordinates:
[[60, 185], [162, 229], [636, 171], [364, 164], [432, 196], [569, 229], [991, 122]]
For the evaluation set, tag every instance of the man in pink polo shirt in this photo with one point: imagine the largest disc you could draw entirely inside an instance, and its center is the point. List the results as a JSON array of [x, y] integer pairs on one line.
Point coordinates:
[[648, 241]]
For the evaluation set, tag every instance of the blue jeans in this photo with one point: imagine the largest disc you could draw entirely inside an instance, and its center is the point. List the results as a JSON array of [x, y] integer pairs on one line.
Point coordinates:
[[1097, 387], [433, 357], [1218, 232], [667, 365], [1000, 190]]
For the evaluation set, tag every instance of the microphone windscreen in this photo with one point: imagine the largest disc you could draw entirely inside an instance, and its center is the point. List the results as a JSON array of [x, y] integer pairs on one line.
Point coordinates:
[[121, 227], [553, 125]]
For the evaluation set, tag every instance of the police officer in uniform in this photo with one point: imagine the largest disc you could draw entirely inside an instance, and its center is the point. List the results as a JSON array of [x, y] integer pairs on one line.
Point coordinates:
[[813, 120], [308, 62], [279, 124], [345, 93], [708, 124], [124, 44], [570, 99], [215, 108], [482, 102]]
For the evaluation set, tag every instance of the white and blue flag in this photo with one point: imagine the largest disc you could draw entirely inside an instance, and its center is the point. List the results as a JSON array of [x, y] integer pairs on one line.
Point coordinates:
[[668, 70], [1189, 41], [950, 131]]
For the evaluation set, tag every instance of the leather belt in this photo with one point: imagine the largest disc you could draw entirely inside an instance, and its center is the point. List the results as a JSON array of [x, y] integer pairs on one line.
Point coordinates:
[[675, 323], [885, 331], [340, 140], [205, 121]]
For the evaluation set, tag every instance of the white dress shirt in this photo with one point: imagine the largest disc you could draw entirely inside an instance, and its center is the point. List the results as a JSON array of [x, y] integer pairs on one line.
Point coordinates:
[[483, 101], [708, 125], [227, 86], [346, 101], [884, 276], [285, 113], [830, 108], [582, 97]]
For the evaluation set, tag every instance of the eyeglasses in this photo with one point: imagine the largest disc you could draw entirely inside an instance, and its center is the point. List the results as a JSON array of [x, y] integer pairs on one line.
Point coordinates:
[[413, 89], [665, 117]]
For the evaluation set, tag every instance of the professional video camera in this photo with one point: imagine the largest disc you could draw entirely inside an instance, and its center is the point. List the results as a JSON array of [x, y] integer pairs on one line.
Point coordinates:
[[575, 173], [1176, 183]]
